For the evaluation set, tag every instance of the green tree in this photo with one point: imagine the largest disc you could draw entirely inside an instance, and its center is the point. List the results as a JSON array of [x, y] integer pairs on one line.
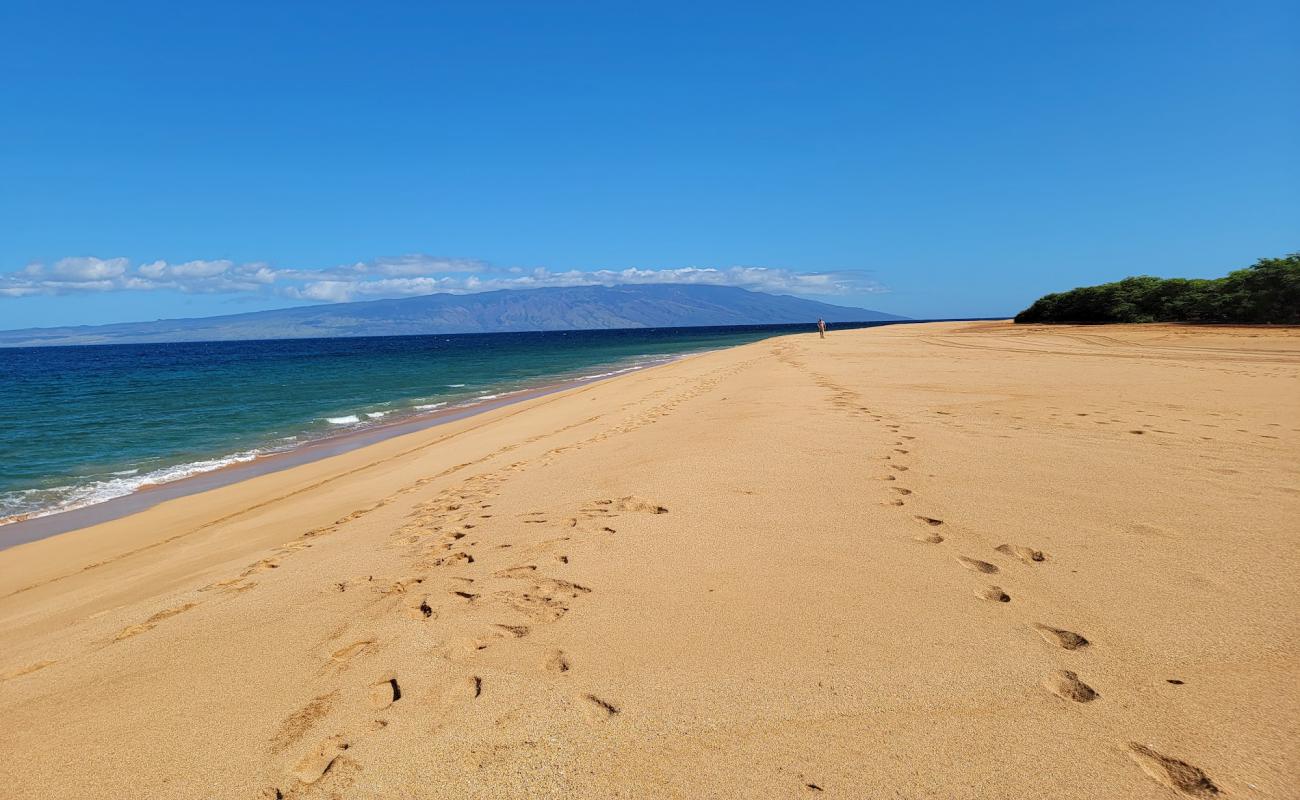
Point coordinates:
[[1265, 292]]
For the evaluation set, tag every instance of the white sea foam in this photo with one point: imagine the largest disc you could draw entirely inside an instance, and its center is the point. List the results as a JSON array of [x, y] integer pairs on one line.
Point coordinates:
[[609, 374], [66, 498], [348, 420], [455, 385], [377, 414], [428, 406], [647, 361]]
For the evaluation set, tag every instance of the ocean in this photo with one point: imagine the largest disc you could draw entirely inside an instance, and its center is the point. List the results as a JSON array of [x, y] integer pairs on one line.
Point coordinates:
[[83, 425]]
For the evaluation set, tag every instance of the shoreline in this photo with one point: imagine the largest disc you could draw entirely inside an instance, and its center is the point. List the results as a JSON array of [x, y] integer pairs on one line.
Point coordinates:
[[43, 526]]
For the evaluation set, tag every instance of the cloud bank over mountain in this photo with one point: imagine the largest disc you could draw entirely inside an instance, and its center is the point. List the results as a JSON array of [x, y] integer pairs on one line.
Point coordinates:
[[392, 277]]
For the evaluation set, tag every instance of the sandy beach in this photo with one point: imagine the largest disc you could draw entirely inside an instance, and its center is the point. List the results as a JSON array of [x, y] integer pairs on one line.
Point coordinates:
[[957, 560]]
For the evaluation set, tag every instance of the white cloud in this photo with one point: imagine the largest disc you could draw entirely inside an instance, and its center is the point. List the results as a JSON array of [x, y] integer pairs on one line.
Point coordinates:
[[73, 270], [341, 291], [200, 269], [153, 270], [412, 265], [400, 276]]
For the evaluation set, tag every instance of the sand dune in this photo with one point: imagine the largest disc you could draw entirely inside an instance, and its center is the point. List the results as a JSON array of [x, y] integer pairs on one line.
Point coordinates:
[[950, 561]]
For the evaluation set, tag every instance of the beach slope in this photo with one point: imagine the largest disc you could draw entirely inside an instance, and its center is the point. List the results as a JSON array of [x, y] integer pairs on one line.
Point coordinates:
[[959, 560]]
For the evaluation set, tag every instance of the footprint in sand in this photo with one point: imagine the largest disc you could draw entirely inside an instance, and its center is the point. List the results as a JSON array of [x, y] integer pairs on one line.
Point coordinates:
[[384, 693], [536, 607], [524, 571], [453, 560], [298, 723], [598, 710], [1060, 637], [313, 766], [149, 624], [928, 538], [421, 610], [390, 587], [27, 670], [928, 520], [557, 662], [261, 566], [473, 687], [993, 594], [976, 565], [1172, 773], [631, 503], [344, 654], [1026, 554], [1066, 685], [901, 490]]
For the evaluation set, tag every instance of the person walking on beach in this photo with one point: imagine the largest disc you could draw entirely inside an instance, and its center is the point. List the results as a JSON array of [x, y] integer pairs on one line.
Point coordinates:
[[821, 328]]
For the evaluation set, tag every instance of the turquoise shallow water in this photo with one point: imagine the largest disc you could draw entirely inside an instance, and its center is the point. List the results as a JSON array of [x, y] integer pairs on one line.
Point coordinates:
[[81, 425]]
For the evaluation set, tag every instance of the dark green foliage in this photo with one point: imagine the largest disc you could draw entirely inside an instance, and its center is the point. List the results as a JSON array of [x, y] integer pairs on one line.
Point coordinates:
[[1267, 292]]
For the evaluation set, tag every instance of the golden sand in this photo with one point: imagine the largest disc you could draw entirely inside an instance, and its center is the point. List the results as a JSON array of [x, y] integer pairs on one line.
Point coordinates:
[[949, 561]]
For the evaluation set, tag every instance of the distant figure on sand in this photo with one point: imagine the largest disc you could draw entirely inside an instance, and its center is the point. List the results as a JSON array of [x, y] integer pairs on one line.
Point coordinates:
[[821, 328]]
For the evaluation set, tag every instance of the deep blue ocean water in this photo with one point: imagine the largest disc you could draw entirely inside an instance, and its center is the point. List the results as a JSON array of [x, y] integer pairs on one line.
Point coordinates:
[[80, 425]]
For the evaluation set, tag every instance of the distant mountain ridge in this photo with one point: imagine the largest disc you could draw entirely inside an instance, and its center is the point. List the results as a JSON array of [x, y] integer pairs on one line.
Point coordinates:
[[563, 308]]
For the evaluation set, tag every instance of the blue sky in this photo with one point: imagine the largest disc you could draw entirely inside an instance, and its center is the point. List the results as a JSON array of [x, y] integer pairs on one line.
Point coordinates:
[[927, 159]]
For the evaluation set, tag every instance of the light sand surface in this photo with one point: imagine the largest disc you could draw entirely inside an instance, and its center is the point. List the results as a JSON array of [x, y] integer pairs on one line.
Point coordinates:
[[771, 571]]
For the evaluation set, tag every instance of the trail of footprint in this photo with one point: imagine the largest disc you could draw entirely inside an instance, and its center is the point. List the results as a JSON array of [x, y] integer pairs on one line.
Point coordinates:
[[1172, 773]]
